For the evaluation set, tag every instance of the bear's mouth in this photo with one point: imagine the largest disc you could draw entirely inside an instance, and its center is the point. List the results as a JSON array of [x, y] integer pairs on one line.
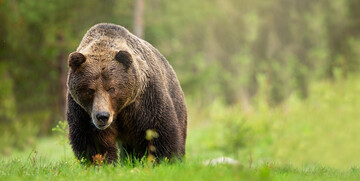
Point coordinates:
[[101, 126]]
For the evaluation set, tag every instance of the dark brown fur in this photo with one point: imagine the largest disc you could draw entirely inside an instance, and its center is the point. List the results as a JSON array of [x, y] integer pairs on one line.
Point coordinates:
[[130, 79]]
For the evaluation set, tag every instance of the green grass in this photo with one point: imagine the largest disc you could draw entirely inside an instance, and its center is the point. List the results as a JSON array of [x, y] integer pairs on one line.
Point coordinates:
[[37, 167], [313, 139], [45, 166]]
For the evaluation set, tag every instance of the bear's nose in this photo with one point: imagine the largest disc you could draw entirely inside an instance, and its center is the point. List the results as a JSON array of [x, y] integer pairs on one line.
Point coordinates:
[[102, 116]]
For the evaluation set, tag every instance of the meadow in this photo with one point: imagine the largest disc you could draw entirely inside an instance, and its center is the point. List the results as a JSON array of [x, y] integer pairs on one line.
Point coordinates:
[[312, 139]]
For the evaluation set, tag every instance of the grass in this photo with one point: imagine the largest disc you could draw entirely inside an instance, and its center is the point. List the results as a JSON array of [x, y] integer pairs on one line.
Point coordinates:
[[36, 167], [312, 139], [42, 166]]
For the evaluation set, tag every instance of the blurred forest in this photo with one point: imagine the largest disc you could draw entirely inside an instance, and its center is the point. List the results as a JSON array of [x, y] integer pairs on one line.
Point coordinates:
[[228, 50]]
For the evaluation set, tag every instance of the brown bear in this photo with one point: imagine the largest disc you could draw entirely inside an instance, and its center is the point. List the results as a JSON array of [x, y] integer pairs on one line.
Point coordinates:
[[120, 87]]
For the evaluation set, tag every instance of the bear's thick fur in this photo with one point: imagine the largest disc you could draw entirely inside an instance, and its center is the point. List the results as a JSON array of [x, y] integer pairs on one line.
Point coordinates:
[[119, 87]]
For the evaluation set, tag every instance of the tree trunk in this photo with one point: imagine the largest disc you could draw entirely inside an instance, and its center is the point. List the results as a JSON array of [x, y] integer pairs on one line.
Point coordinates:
[[62, 74], [139, 18]]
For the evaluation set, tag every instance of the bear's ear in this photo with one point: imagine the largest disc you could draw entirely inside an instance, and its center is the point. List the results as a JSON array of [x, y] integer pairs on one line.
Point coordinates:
[[124, 57], [75, 60]]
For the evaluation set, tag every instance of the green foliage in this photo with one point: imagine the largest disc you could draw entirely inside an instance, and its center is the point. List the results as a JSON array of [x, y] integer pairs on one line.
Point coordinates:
[[242, 39], [61, 129], [320, 130], [17, 136], [7, 100], [325, 126], [218, 48]]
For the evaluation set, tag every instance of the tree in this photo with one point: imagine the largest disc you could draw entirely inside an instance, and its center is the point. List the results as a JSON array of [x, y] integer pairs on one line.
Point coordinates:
[[139, 18]]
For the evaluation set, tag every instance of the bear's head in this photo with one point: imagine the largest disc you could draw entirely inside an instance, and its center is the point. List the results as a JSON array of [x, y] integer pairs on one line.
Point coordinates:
[[103, 84]]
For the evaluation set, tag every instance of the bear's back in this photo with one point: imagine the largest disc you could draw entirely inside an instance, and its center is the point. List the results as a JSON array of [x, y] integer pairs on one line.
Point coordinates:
[[103, 30], [104, 37]]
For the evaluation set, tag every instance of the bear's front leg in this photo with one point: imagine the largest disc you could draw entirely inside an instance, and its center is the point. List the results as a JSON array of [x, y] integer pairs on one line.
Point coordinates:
[[88, 142]]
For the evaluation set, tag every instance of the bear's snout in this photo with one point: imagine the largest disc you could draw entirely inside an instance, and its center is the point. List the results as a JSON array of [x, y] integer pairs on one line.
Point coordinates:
[[102, 117], [102, 113]]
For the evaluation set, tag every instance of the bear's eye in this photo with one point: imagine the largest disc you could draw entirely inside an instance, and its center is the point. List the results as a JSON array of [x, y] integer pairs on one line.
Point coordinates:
[[88, 91], [111, 90]]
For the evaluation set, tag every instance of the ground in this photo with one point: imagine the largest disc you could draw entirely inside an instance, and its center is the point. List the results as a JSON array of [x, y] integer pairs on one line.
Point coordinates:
[[44, 164], [312, 139]]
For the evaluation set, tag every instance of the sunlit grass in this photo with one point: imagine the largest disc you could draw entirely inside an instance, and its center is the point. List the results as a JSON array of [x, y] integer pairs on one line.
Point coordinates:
[[38, 167]]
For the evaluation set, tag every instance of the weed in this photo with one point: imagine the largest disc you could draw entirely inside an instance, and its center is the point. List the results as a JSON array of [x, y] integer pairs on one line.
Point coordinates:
[[61, 130]]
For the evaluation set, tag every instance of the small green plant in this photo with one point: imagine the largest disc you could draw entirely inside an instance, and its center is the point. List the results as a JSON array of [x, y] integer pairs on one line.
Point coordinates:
[[237, 135], [237, 132], [61, 130], [150, 135]]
